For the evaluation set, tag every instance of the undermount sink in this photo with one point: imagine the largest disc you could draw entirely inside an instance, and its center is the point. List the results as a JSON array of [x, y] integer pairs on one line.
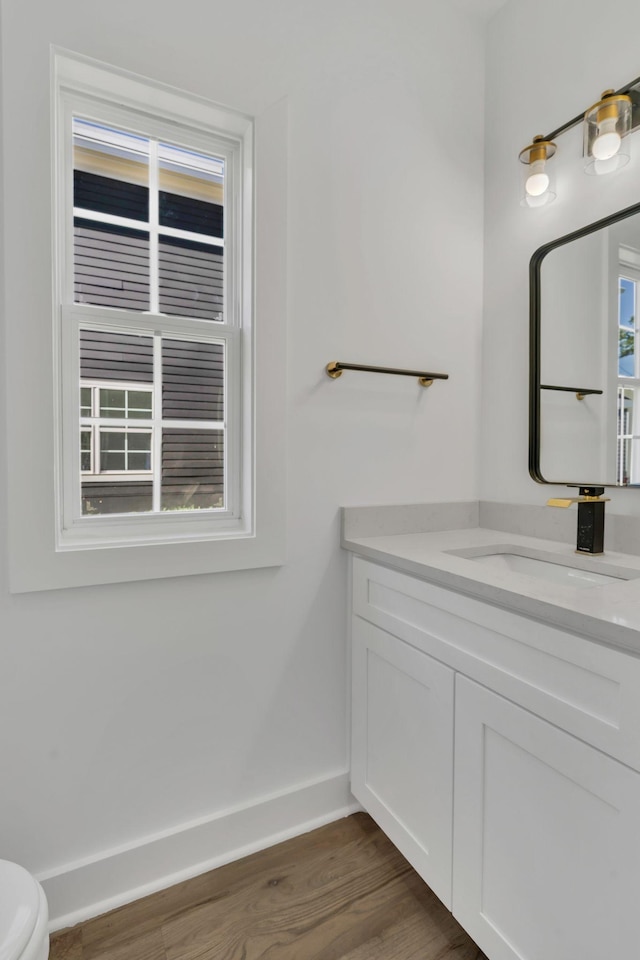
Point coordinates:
[[544, 569], [520, 560]]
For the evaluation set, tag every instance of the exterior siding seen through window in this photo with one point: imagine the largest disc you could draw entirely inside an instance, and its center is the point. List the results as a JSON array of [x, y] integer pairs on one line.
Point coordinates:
[[118, 265]]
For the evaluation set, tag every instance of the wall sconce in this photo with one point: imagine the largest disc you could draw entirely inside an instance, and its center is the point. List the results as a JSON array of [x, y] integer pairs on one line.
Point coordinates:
[[606, 125], [607, 144], [538, 181]]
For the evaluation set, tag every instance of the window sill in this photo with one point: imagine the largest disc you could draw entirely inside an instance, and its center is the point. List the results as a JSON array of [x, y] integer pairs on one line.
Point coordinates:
[[99, 533], [44, 569]]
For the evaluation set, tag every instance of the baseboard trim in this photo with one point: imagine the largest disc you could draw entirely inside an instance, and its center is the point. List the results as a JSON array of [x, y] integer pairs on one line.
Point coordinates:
[[88, 888]]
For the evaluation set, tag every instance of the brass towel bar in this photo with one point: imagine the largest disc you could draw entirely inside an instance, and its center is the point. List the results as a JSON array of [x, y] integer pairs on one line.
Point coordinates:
[[579, 391], [335, 368]]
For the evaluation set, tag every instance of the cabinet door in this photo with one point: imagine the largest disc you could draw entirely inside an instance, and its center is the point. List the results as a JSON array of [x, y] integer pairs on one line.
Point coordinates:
[[546, 837], [402, 749]]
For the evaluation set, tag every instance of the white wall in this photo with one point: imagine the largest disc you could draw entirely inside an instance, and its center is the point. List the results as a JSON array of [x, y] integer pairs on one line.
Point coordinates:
[[545, 64], [133, 708]]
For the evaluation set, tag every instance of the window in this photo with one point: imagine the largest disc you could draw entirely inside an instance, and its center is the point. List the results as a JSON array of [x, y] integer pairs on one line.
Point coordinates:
[[628, 454], [109, 456], [149, 376], [154, 287]]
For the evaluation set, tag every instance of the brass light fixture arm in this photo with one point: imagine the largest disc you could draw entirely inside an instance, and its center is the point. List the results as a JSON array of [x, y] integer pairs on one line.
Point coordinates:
[[635, 104]]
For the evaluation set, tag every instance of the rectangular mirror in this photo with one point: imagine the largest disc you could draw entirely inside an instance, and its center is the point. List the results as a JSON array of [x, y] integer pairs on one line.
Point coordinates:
[[584, 404]]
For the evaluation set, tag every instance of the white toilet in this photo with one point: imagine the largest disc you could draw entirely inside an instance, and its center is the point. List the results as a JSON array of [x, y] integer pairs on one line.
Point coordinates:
[[24, 915]]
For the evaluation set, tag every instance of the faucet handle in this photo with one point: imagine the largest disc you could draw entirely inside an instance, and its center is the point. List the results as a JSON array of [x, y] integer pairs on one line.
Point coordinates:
[[587, 495]]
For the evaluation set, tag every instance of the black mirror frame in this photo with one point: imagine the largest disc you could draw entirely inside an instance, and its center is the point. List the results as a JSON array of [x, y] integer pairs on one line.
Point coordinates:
[[535, 342]]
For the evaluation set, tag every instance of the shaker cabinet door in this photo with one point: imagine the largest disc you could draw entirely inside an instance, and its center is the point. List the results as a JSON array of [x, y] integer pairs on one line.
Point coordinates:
[[402, 749], [546, 837]]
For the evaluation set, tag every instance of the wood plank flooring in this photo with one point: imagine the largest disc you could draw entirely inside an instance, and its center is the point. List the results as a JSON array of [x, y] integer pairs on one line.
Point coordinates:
[[342, 892]]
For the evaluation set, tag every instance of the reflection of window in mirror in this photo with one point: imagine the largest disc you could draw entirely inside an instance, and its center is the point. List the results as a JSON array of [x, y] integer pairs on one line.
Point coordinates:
[[628, 368]]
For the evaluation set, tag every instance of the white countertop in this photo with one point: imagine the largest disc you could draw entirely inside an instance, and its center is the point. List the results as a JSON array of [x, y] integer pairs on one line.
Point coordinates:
[[608, 613]]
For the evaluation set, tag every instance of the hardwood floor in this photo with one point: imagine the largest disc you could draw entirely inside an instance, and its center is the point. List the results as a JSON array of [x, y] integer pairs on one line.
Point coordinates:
[[342, 892]]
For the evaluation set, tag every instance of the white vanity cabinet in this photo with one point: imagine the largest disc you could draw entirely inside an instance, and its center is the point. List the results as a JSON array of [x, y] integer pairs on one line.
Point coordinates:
[[546, 836], [404, 778], [501, 756]]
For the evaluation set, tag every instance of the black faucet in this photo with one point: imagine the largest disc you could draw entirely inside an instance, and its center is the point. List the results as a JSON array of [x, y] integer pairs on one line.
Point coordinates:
[[590, 536]]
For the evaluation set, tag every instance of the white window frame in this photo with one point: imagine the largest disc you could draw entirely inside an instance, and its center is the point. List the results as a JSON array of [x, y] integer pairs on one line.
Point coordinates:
[[31, 315], [210, 130], [629, 269]]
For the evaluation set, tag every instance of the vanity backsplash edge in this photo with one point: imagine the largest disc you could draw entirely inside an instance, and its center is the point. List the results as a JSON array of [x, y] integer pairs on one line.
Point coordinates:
[[622, 533], [396, 519]]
